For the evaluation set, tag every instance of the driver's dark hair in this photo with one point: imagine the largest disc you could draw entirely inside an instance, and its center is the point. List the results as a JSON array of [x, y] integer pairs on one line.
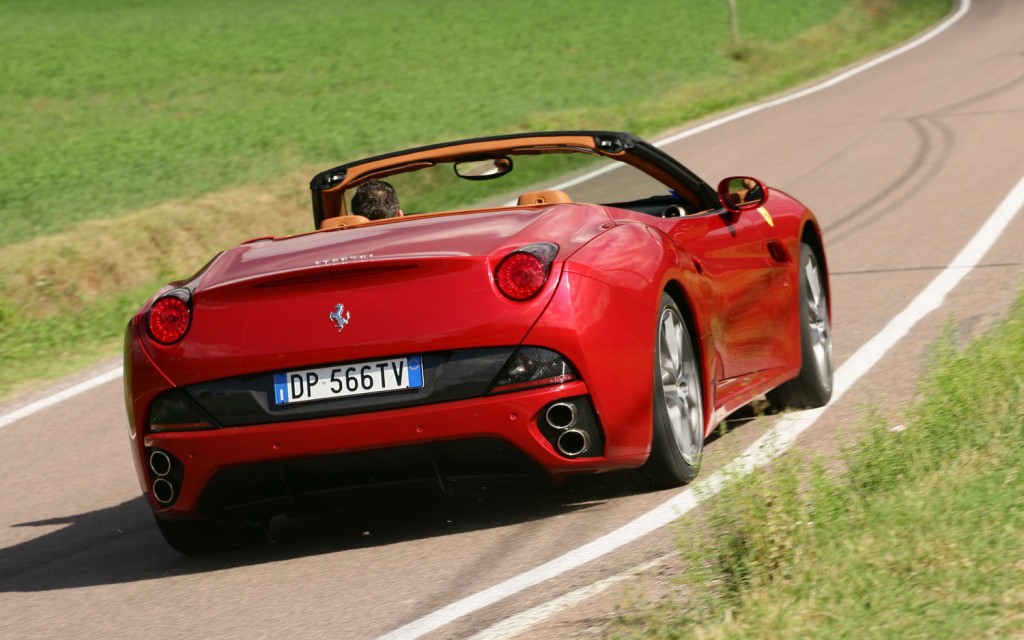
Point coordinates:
[[375, 199]]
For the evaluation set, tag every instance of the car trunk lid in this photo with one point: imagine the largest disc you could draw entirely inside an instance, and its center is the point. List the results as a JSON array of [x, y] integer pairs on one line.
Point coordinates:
[[381, 290]]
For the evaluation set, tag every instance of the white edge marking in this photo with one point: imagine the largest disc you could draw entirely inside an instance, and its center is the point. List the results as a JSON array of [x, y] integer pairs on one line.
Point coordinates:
[[59, 397], [519, 623], [961, 11]]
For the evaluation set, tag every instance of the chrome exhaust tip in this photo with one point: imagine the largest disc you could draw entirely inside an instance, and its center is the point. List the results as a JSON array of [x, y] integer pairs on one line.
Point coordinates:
[[573, 442], [561, 415], [160, 463], [163, 490]]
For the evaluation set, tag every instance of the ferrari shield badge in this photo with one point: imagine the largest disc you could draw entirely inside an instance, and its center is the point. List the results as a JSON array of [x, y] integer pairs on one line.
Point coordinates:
[[340, 317], [767, 216]]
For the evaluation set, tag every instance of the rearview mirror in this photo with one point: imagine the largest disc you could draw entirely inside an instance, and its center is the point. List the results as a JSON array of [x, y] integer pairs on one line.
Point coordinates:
[[741, 192], [484, 168]]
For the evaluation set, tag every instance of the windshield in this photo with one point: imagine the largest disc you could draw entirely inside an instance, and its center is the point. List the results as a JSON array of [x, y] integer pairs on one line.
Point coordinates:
[[439, 188]]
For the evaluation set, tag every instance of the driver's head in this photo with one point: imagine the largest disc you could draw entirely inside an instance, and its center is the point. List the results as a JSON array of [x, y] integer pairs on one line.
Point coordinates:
[[376, 199]]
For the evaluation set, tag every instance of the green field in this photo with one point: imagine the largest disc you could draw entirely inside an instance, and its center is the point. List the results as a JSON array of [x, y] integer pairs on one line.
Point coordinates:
[[139, 138], [919, 535], [109, 106]]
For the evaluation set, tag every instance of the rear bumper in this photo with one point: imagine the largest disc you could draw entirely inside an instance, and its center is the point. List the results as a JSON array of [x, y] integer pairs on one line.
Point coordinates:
[[514, 420], [315, 484]]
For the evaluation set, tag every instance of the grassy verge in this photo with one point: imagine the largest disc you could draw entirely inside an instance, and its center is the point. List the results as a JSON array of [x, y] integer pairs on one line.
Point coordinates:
[[115, 105], [121, 171], [919, 536]]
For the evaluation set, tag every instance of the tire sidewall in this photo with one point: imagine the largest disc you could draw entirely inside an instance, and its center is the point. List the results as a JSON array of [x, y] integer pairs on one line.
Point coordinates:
[[666, 466]]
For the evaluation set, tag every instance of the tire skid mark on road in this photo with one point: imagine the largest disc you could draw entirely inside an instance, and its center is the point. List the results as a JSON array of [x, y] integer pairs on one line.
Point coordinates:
[[933, 143]]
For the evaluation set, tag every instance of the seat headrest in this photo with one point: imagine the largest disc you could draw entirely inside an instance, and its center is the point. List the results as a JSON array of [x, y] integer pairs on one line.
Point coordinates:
[[340, 222], [544, 196]]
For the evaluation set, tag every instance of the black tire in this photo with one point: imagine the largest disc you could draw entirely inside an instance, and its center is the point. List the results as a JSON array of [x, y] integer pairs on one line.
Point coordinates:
[[198, 537], [678, 431], [813, 386]]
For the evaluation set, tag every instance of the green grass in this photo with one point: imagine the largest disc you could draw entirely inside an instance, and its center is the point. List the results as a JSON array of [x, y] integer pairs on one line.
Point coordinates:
[[921, 535], [67, 343], [140, 138], [113, 105]]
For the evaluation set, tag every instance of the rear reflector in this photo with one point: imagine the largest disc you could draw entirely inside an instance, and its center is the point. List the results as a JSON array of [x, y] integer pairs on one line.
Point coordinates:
[[531, 367], [175, 411]]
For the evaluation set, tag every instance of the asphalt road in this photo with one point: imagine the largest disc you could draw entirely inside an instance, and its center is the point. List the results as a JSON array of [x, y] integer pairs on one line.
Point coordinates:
[[902, 164]]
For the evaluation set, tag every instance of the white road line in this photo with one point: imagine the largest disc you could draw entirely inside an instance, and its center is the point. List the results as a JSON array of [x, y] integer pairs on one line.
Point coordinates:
[[59, 397], [780, 437], [965, 6], [511, 627]]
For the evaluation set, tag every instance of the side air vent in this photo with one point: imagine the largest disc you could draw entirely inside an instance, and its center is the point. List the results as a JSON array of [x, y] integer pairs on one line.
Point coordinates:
[[778, 252]]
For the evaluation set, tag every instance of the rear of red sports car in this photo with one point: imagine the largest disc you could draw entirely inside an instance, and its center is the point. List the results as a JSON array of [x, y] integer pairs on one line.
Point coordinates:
[[432, 349], [521, 339]]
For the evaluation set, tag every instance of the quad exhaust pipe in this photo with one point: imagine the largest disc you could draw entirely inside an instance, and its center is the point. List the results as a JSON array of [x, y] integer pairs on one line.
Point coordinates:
[[563, 417], [570, 426], [161, 464]]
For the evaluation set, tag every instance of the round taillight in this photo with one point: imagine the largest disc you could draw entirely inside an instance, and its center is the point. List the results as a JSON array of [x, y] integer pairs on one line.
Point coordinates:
[[520, 275], [169, 318]]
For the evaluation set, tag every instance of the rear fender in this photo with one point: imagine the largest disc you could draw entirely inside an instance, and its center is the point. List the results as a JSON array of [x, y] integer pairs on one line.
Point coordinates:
[[607, 335], [143, 382], [603, 319]]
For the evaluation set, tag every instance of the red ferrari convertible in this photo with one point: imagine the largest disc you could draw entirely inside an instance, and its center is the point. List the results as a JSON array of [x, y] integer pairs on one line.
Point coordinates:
[[445, 322]]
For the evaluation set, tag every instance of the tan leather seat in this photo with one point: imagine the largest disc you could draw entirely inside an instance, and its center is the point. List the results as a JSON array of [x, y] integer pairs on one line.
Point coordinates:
[[340, 222], [544, 196]]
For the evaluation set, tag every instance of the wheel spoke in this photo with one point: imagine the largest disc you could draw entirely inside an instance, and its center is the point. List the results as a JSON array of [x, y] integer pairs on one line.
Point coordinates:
[[813, 281], [670, 338], [674, 405]]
